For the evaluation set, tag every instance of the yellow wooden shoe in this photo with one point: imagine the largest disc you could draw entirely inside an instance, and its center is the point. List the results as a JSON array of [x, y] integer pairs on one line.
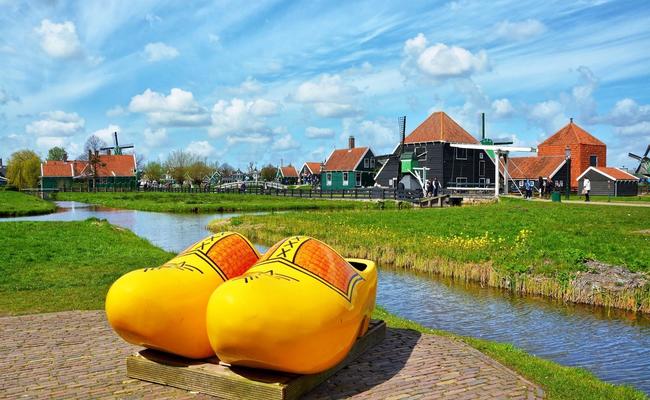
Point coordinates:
[[164, 308], [299, 309]]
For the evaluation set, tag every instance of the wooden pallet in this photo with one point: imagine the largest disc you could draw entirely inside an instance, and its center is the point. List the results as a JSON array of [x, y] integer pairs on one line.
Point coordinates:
[[210, 377]]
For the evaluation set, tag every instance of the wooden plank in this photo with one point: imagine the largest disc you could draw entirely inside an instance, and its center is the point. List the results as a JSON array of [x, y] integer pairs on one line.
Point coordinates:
[[210, 377]]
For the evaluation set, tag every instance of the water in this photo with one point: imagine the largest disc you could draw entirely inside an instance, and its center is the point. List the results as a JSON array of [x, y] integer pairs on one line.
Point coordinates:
[[614, 345]]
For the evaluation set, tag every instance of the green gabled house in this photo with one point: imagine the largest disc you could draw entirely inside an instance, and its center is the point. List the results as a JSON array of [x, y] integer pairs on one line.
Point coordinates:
[[349, 168]]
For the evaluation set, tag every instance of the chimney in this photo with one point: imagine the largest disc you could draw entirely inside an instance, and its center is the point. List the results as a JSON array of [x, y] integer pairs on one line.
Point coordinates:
[[0, 162], [90, 155], [482, 126], [65, 157], [571, 120], [351, 142], [96, 153]]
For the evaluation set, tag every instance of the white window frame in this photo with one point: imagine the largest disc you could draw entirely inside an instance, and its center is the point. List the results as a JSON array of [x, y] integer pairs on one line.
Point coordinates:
[[357, 177], [457, 151], [372, 162], [366, 163], [461, 179], [329, 179], [481, 164], [346, 178], [481, 181], [480, 155]]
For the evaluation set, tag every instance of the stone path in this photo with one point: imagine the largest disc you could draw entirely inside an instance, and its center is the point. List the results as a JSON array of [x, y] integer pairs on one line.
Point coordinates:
[[76, 355]]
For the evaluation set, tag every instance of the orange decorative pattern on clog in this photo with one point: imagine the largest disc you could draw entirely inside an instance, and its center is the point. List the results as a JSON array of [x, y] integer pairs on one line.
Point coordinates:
[[228, 253], [317, 260]]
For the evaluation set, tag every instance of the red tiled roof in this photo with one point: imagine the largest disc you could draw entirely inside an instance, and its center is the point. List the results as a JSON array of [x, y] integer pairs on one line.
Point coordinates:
[[439, 127], [612, 172], [571, 134], [57, 168], [314, 167], [289, 171], [534, 167], [345, 159], [113, 165]]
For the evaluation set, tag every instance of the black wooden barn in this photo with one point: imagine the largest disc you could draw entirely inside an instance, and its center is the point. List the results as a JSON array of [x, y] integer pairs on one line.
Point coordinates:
[[609, 181]]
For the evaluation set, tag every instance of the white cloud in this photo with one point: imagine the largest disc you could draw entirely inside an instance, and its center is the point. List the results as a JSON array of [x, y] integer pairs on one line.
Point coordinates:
[[440, 61], [152, 19], [106, 134], [56, 123], [159, 51], [59, 40], [155, 137], [240, 116], [176, 109], [638, 129], [214, 39], [330, 96], [285, 142], [116, 111], [519, 31], [253, 139], [249, 86], [548, 114], [628, 112], [502, 108], [201, 148], [47, 142], [313, 132]]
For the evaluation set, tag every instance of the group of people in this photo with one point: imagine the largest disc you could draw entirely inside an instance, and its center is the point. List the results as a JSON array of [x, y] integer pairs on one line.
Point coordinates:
[[432, 188], [544, 187]]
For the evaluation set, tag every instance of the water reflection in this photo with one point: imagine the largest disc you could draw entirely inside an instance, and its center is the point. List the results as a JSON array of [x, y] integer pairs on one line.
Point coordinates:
[[614, 345]]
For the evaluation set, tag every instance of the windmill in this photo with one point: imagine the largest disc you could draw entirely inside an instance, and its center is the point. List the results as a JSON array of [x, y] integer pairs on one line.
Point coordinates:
[[644, 163], [116, 148]]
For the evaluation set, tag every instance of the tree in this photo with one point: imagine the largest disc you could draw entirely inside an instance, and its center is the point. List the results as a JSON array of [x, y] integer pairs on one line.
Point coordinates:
[[93, 145], [198, 170], [268, 173], [24, 169], [178, 164], [57, 154], [153, 171], [226, 169]]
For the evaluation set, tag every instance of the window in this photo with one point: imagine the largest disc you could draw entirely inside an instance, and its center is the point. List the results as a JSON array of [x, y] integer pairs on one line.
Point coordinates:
[[461, 180], [521, 184], [487, 181], [358, 178], [329, 179], [593, 161], [481, 168], [372, 162], [366, 163], [461, 154], [481, 181], [480, 155], [345, 178]]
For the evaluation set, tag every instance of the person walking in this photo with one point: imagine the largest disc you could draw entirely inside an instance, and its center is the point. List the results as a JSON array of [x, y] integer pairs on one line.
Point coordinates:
[[428, 188], [586, 188], [540, 187], [528, 190]]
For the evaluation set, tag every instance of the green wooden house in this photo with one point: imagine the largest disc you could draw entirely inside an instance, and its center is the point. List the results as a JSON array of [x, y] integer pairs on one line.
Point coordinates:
[[349, 168], [113, 171]]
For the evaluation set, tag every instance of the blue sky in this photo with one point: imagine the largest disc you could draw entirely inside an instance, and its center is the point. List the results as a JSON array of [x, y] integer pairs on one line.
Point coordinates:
[[269, 80]]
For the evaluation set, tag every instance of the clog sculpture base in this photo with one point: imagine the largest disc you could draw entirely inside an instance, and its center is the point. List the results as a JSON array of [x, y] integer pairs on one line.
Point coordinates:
[[298, 310], [164, 308]]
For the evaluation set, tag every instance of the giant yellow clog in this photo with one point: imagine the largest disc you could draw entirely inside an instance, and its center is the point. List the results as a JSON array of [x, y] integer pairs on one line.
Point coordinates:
[[299, 309], [164, 308]]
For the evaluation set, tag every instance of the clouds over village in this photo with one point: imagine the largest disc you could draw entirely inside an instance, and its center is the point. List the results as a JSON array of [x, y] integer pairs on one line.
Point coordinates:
[[218, 81]]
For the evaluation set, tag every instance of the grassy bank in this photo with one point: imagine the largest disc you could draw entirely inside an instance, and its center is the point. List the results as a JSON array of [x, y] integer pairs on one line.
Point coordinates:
[[15, 204], [529, 247], [58, 266], [619, 199], [558, 382], [211, 202], [54, 266]]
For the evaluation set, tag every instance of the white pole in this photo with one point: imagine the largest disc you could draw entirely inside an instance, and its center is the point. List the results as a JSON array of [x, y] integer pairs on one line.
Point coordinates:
[[496, 173], [505, 174]]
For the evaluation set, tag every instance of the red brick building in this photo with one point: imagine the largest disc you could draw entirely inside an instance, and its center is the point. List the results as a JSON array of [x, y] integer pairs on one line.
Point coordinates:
[[586, 150]]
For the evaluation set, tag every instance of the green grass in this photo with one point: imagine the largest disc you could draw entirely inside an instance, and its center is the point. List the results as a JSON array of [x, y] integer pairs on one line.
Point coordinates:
[[498, 244], [14, 204], [620, 199], [211, 202], [54, 266], [57, 266], [558, 382]]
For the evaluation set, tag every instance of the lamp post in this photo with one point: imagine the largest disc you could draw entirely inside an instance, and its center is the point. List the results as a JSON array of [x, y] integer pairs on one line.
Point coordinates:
[[567, 156]]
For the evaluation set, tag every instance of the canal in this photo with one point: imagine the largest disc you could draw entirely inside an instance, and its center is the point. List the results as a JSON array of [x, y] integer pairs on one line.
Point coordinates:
[[614, 345]]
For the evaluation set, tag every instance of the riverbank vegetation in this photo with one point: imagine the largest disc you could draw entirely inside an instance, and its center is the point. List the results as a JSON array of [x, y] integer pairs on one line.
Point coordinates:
[[211, 202], [528, 247], [558, 382], [57, 266], [15, 204]]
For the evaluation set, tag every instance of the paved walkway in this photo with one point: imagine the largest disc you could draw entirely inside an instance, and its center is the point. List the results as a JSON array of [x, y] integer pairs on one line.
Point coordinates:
[[76, 355]]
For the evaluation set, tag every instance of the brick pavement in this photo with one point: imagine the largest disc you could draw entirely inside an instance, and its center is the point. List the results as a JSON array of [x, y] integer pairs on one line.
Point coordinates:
[[75, 354]]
